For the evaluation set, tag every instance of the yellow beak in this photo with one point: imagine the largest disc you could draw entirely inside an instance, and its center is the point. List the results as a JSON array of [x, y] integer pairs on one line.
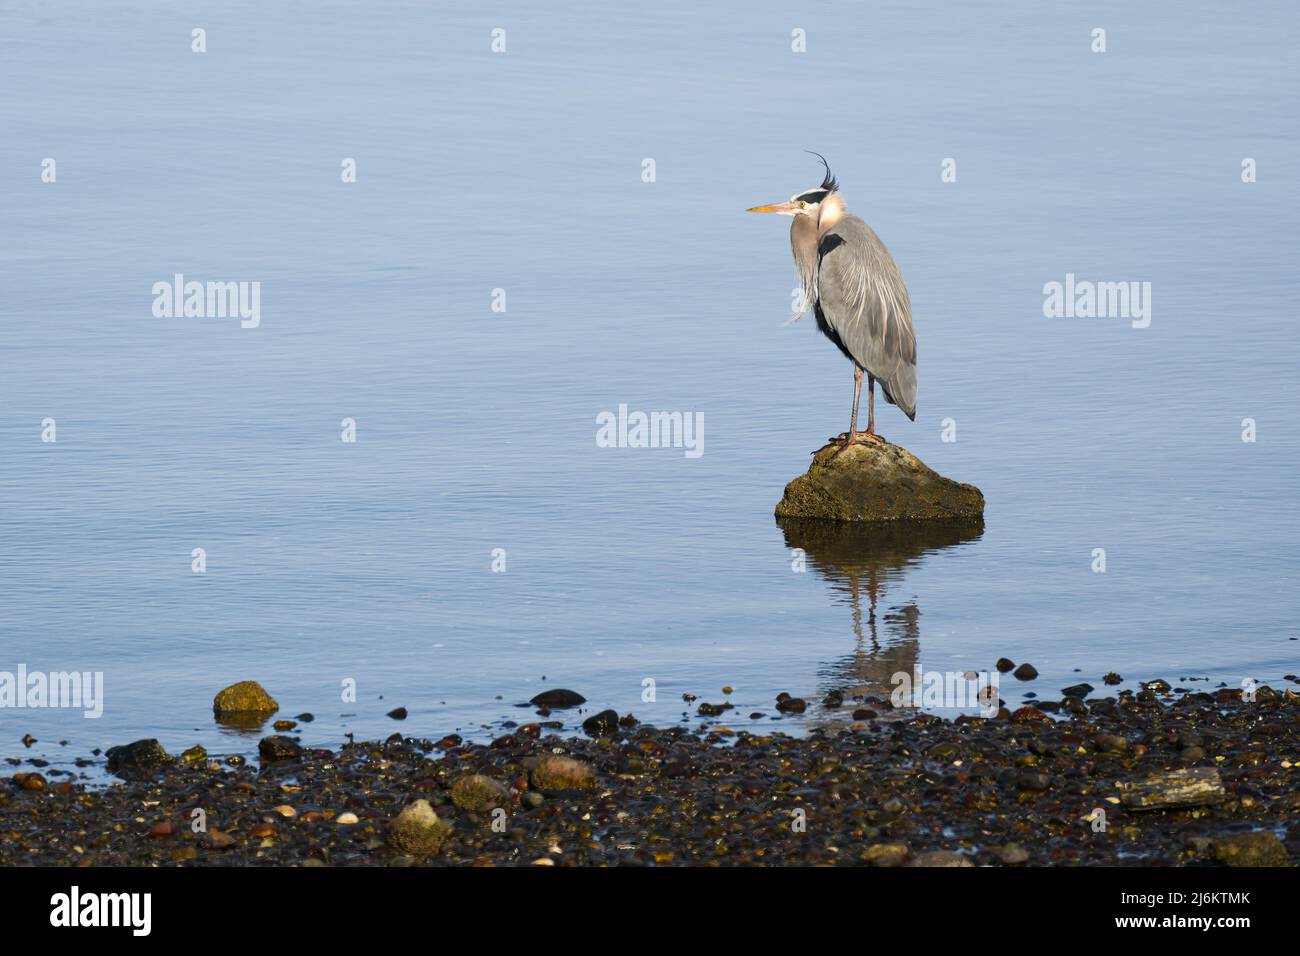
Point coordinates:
[[775, 207]]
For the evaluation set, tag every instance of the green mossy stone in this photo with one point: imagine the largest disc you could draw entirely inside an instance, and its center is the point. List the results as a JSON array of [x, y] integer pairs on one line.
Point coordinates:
[[1250, 849], [246, 697], [479, 794], [876, 483], [555, 773], [417, 831]]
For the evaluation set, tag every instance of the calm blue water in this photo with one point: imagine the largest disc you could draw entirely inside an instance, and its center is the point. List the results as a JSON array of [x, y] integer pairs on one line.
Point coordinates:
[[476, 429]]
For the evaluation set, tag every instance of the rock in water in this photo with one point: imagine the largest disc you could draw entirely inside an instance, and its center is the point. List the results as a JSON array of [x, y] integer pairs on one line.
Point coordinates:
[[246, 697], [602, 724], [279, 747], [877, 482], [138, 761], [558, 699]]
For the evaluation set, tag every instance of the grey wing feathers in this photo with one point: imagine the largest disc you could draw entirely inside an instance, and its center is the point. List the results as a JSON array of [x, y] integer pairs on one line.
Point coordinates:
[[861, 294]]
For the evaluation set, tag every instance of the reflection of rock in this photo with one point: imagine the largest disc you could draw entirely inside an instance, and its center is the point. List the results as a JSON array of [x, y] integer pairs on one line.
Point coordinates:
[[877, 482], [244, 723], [861, 561]]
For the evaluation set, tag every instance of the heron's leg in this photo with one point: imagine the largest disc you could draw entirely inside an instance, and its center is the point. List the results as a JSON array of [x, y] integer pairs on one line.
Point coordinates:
[[857, 397], [849, 437], [871, 404], [870, 433]]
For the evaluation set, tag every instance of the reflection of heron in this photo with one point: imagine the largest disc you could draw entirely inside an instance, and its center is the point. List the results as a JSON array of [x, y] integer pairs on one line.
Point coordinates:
[[856, 290], [858, 558]]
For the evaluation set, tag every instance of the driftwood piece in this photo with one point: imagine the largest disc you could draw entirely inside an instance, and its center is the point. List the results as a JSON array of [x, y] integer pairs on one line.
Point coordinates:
[[1188, 787]]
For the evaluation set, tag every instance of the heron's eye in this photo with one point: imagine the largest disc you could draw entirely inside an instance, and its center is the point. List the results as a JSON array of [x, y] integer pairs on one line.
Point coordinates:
[[802, 204]]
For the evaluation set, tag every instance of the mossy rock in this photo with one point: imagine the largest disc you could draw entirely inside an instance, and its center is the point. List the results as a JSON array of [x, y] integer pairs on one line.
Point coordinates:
[[556, 773], [417, 831], [1259, 848], [885, 854], [479, 794], [246, 697], [877, 482]]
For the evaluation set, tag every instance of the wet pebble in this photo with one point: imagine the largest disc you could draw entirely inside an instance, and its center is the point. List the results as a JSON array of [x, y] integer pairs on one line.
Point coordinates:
[[30, 781], [139, 760], [1013, 854], [940, 858], [279, 747], [1033, 780], [1028, 714], [602, 724], [217, 840], [885, 854]]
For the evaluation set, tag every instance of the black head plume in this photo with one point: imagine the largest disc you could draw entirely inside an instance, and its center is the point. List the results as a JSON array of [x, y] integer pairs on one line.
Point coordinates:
[[830, 184]]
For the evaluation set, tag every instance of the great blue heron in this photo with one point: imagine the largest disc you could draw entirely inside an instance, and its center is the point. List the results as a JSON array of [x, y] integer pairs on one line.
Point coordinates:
[[857, 293]]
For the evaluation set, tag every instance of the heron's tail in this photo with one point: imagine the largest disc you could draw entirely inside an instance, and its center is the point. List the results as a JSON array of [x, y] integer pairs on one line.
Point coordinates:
[[900, 390]]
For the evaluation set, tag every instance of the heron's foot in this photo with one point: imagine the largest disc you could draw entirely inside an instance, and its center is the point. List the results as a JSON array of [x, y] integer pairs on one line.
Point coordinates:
[[858, 438], [844, 440]]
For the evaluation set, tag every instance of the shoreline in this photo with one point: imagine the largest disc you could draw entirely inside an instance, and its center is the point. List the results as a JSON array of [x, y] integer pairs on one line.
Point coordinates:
[[1149, 778]]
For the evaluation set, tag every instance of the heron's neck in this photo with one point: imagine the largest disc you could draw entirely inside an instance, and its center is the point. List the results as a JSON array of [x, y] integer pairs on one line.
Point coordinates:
[[832, 211]]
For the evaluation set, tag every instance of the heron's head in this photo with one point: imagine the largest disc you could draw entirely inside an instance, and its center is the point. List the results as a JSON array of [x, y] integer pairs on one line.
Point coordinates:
[[807, 203]]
